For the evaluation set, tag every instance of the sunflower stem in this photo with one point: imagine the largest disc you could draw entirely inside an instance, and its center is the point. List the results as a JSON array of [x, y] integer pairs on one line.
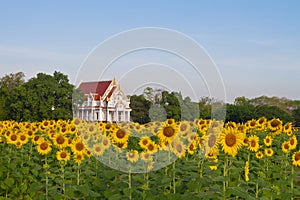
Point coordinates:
[[292, 182], [174, 178], [256, 189], [224, 174], [129, 184], [63, 180], [46, 173], [78, 173]]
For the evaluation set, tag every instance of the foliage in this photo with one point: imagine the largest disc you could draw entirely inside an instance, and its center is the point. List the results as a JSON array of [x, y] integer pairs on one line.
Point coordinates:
[[42, 97]]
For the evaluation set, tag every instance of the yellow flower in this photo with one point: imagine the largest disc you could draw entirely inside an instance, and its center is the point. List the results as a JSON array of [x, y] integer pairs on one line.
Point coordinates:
[[268, 140], [146, 156], [78, 158], [192, 148], [261, 123], [151, 147], [178, 148], [62, 155], [269, 152], [60, 141], [253, 142], [285, 146], [120, 135], [44, 147], [296, 158], [144, 141], [275, 125], [293, 142], [132, 156], [231, 141], [168, 132], [97, 150], [288, 127], [78, 147], [251, 124], [259, 155], [184, 127]]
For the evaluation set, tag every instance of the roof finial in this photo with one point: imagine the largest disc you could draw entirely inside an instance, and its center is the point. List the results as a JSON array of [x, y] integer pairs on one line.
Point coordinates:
[[114, 81]]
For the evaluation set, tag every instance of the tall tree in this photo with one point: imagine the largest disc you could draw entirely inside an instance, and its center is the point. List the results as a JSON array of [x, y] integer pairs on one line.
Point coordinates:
[[140, 109], [43, 97]]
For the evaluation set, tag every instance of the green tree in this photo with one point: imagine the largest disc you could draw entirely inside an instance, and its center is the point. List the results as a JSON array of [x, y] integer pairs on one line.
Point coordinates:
[[43, 97], [240, 111], [8, 84], [140, 109], [296, 117]]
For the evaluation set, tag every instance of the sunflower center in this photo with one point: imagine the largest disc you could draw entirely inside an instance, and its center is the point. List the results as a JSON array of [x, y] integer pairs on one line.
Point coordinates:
[[170, 121], [63, 154], [212, 141], [191, 147], [79, 146], [22, 137], [98, 149], [168, 131], [145, 142], [292, 141], [253, 143], [297, 156], [179, 148], [230, 139], [107, 126], [275, 123], [44, 145], [252, 123], [183, 127], [120, 133], [267, 140], [60, 139], [286, 146], [105, 142], [13, 137], [150, 147]]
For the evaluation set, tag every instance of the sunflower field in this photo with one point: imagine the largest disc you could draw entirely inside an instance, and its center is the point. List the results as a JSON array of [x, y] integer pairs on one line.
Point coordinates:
[[200, 159]]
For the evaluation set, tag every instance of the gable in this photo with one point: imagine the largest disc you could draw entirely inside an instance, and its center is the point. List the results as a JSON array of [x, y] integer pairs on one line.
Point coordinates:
[[97, 88]]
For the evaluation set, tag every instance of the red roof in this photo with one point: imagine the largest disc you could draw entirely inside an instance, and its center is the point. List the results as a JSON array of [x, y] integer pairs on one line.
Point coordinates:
[[95, 87]]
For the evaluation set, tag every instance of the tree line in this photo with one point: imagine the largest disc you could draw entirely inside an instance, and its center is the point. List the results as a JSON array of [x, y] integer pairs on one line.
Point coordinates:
[[50, 97]]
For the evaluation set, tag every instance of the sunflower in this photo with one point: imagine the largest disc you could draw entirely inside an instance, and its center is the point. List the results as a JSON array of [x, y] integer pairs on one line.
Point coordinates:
[[268, 140], [132, 156], [293, 142], [285, 146], [168, 132], [275, 125], [44, 147], [211, 141], [105, 142], [170, 122], [151, 147], [37, 139], [146, 156], [296, 158], [63, 155], [120, 135], [192, 148], [60, 141], [231, 141], [23, 137], [246, 171], [184, 127], [12, 138], [259, 155], [178, 148], [144, 141], [269, 152], [213, 153], [253, 142], [97, 150], [78, 158], [261, 123], [251, 124], [78, 147], [241, 128], [230, 124], [288, 127]]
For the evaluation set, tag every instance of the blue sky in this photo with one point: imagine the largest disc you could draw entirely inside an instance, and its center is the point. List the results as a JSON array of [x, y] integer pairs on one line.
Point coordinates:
[[255, 44]]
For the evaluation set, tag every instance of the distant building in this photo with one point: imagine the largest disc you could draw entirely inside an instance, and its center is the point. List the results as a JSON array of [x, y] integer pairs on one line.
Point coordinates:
[[104, 101]]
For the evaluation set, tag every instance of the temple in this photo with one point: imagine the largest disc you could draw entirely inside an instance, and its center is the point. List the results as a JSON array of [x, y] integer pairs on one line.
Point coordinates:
[[104, 101]]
